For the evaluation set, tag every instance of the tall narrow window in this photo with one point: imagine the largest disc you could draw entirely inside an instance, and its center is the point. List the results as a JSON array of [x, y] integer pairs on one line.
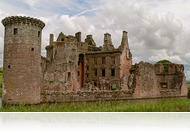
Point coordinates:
[[103, 72], [95, 72], [69, 76], [95, 84], [78, 73], [39, 33], [15, 31], [112, 72], [103, 60]]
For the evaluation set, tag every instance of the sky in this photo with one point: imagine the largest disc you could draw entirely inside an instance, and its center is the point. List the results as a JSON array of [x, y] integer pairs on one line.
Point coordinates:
[[157, 29]]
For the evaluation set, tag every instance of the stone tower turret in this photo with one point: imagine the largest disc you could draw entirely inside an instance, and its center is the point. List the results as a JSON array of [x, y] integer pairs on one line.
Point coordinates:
[[22, 77]]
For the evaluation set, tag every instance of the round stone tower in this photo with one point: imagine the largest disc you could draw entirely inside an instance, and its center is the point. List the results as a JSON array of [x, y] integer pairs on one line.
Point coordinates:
[[22, 75]]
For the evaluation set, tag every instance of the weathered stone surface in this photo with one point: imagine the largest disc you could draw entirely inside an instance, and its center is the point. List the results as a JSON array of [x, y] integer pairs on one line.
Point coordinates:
[[149, 81], [22, 73], [57, 96]]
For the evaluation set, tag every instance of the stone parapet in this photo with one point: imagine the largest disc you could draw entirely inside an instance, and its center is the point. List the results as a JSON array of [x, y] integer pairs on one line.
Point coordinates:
[[23, 20]]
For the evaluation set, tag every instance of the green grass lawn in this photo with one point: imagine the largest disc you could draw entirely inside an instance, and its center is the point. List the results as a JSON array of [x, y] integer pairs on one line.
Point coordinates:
[[153, 105], [1, 74], [188, 85]]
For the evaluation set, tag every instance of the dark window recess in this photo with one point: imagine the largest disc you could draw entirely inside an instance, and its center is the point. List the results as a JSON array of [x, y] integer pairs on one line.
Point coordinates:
[[15, 31], [95, 84], [95, 72], [87, 68], [87, 75], [103, 60], [69, 75], [32, 49], [62, 39], [103, 72], [78, 73], [39, 33], [112, 72], [164, 85], [9, 66]]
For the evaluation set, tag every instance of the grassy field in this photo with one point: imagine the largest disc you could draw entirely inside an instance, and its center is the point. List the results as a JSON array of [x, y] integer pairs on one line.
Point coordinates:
[[154, 105], [188, 85], [1, 74]]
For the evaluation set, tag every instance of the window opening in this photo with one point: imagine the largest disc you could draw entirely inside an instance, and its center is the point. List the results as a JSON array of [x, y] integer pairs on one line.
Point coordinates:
[[69, 76], [39, 33], [103, 72], [78, 73], [15, 31], [164, 85], [112, 72], [95, 84]]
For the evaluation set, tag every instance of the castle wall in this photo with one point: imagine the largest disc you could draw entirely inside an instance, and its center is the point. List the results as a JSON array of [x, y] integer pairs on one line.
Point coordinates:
[[146, 85], [61, 72], [97, 62], [151, 81], [53, 96]]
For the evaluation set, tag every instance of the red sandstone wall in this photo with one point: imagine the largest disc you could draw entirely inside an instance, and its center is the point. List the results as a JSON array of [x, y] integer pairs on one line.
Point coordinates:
[[148, 79]]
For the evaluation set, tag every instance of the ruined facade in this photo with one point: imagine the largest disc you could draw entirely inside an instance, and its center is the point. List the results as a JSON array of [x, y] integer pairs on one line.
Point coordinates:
[[76, 70]]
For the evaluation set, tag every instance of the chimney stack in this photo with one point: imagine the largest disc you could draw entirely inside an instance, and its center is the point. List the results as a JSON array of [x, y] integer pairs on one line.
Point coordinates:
[[51, 39], [78, 36]]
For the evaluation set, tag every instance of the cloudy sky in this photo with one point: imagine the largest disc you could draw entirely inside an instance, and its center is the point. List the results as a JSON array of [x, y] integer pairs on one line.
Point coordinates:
[[158, 29]]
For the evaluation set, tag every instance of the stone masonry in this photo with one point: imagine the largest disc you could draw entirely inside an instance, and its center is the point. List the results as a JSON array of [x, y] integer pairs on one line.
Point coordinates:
[[74, 70]]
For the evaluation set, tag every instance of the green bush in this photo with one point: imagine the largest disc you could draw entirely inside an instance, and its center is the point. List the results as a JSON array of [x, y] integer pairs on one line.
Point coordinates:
[[164, 62]]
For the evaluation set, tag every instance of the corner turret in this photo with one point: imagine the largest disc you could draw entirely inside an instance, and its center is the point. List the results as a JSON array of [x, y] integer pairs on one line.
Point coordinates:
[[22, 74]]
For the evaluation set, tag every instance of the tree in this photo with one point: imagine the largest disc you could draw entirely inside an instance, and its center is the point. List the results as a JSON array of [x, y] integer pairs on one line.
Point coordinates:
[[164, 62]]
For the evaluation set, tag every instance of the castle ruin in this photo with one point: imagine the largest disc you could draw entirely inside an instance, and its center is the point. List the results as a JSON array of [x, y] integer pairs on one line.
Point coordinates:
[[76, 70]]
